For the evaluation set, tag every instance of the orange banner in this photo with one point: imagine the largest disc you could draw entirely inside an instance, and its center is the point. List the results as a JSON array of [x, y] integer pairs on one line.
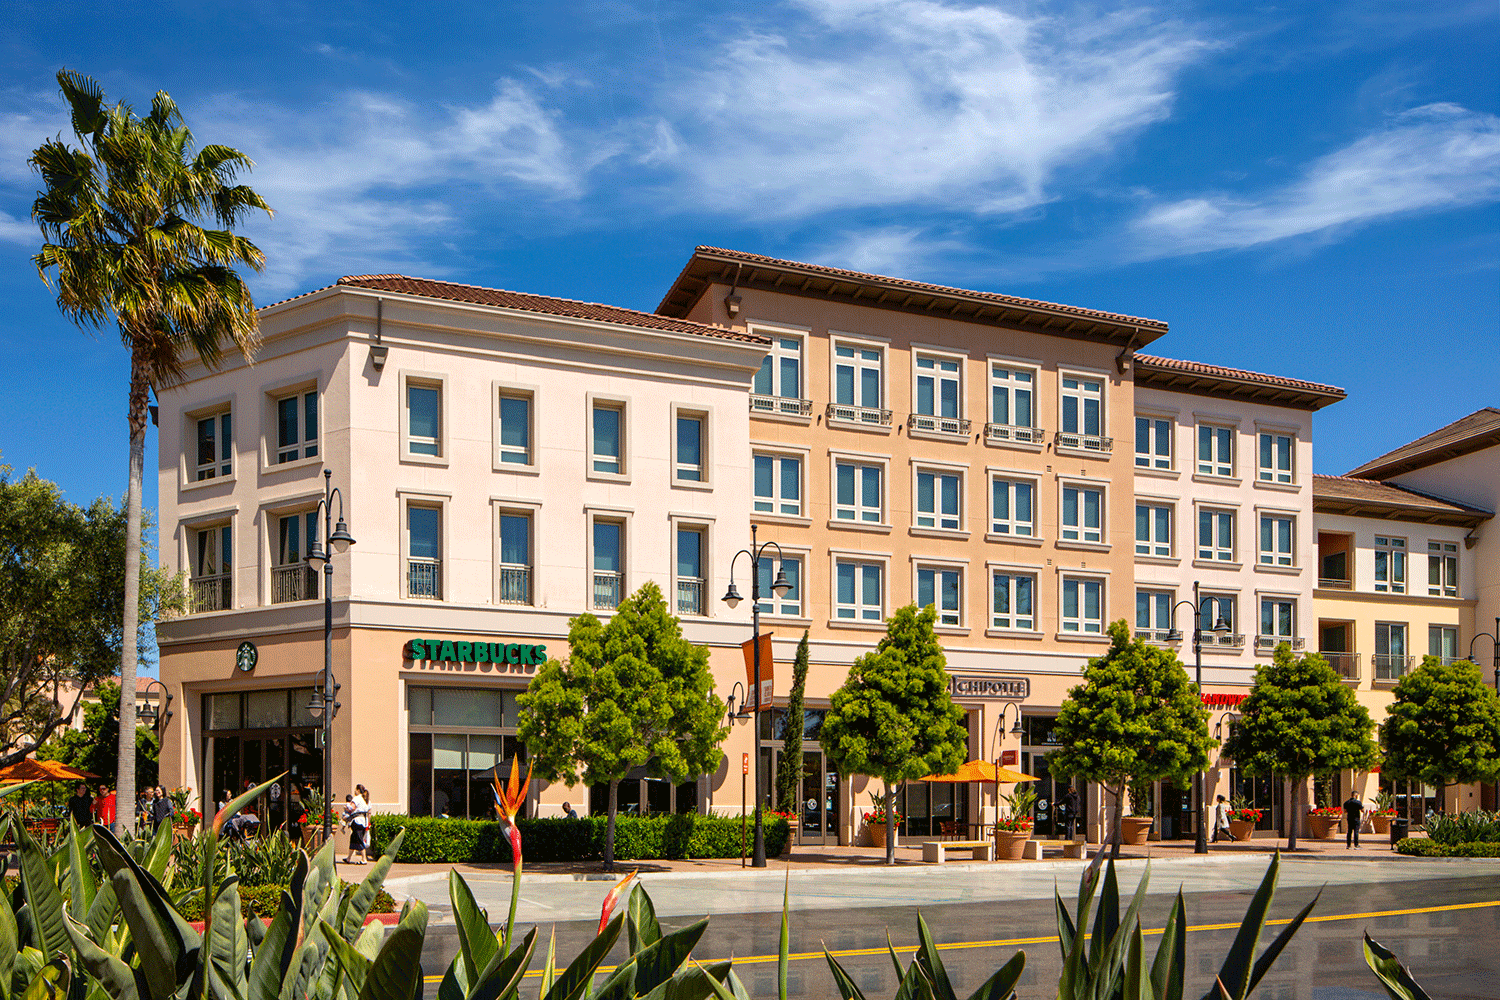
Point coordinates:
[[767, 669]]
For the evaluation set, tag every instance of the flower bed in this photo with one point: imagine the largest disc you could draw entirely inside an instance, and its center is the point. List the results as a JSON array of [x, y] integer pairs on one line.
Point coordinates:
[[1422, 847]]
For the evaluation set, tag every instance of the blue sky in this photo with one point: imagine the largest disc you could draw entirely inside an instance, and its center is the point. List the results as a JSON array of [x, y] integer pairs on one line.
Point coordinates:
[[1305, 189]]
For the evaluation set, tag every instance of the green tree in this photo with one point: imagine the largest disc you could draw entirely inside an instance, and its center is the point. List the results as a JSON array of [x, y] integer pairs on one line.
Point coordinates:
[[894, 719], [62, 586], [124, 222], [633, 692], [1300, 720], [789, 768], [1137, 716], [1443, 726], [92, 748]]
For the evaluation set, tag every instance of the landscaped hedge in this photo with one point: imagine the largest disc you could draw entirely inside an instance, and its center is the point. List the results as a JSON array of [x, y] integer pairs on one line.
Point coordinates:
[[1423, 847], [637, 838], [262, 901]]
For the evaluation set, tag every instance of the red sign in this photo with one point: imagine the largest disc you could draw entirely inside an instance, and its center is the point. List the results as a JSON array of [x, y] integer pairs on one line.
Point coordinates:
[[1009, 758], [745, 765], [1215, 700], [767, 669]]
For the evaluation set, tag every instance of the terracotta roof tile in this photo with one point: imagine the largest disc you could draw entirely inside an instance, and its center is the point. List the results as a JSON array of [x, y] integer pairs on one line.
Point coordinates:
[[1235, 374], [1479, 429], [1350, 489]]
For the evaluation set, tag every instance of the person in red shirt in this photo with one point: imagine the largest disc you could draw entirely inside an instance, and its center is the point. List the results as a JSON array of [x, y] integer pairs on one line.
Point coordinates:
[[104, 805]]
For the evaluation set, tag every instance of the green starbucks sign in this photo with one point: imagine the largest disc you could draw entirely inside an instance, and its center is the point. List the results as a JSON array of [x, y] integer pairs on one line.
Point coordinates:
[[472, 651]]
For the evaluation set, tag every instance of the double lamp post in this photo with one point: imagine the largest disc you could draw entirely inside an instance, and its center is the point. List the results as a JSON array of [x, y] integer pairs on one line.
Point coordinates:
[[1221, 627], [324, 704]]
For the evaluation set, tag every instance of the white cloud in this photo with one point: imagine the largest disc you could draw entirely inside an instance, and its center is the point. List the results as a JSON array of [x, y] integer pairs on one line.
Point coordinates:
[[906, 251], [1431, 158], [22, 231]]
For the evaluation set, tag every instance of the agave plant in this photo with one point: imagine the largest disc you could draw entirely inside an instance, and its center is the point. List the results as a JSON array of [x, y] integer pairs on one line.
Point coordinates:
[[1394, 976]]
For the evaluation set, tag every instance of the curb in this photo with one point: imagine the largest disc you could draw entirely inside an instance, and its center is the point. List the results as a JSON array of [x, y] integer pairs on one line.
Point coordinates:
[[389, 919]]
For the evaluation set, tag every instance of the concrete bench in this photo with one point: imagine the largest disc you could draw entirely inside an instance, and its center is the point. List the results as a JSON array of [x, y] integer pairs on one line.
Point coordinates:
[[1070, 848], [933, 851]]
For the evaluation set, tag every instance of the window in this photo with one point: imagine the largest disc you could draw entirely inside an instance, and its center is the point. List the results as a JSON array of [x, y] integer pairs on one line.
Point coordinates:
[[939, 400], [1442, 569], [212, 565], [789, 605], [424, 420], [1153, 530], [940, 587], [1153, 443], [1391, 659], [1215, 450], [1442, 642], [1014, 601], [858, 596], [1082, 514], [1276, 540], [608, 437], [780, 378], [215, 446], [292, 579], [937, 500], [458, 739], [1275, 459], [1082, 413], [690, 578], [690, 466], [515, 558], [1012, 414], [1278, 621], [1390, 565], [856, 385], [1013, 507], [1083, 606], [778, 485], [1216, 535], [1153, 614], [609, 564], [296, 427], [515, 428], [1213, 608], [424, 550], [857, 493]]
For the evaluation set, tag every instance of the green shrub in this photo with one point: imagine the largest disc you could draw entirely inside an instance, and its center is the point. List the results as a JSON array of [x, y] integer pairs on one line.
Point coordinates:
[[262, 901], [1465, 828], [431, 840], [1429, 848]]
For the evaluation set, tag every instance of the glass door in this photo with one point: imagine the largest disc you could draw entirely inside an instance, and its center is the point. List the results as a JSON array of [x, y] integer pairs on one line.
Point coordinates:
[[819, 805]]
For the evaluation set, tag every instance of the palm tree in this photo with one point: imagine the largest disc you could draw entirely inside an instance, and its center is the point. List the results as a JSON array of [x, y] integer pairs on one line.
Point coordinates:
[[120, 221]]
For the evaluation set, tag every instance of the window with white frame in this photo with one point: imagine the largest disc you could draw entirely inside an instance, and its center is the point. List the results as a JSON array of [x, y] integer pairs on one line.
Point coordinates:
[[858, 594], [1153, 614], [858, 493], [1083, 605], [778, 485], [210, 583], [690, 430], [789, 604], [215, 455], [1082, 514], [1082, 412], [514, 435], [292, 579], [857, 379], [1391, 655], [1442, 569], [1012, 409], [1278, 621], [424, 418], [938, 500], [424, 552], [939, 395], [1014, 601], [1274, 459], [1153, 529], [608, 435], [297, 427], [1013, 507], [1216, 535], [780, 373], [941, 587], [1442, 642], [515, 558], [692, 584], [1277, 534], [1213, 608], [1390, 564], [1215, 450], [1153, 443], [607, 579]]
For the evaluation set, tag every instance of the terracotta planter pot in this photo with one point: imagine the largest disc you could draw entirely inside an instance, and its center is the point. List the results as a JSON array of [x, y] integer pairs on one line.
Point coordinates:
[[877, 834], [1133, 829], [1241, 829], [1381, 824], [1010, 845], [1323, 827]]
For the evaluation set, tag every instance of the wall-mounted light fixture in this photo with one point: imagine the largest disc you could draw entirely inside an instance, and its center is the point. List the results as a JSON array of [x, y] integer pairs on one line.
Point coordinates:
[[379, 352], [732, 305]]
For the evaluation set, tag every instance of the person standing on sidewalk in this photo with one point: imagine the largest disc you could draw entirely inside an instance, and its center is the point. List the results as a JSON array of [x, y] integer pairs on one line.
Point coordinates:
[[1068, 809], [1354, 811], [359, 825]]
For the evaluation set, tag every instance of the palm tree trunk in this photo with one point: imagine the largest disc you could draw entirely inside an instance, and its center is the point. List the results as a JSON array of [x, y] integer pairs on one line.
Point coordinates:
[[1295, 819], [129, 654], [890, 824], [609, 826]]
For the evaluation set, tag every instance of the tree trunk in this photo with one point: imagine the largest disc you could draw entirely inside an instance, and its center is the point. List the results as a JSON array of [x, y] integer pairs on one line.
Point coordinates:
[[125, 793], [609, 826], [1114, 827], [1295, 819], [890, 824]]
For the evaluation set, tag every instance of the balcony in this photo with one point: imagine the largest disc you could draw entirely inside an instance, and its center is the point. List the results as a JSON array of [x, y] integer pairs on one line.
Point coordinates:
[[1346, 665], [515, 584], [298, 582], [690, 595], [1084, 442], [781, 406], [607, 588], [930, 424], [1390, 666], [209, 593], [424, 579], [1334, 583], [1233, 640], [1157, 635], [1270, 642], [1014, 434], [868, 415]]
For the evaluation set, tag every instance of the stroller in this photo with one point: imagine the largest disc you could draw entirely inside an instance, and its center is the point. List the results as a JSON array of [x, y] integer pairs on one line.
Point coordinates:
[[240, 826]]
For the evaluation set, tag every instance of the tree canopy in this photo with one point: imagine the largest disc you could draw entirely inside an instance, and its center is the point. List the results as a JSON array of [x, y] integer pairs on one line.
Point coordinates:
[[894, 718], [93, 748], [1443, 725], [632, 693]]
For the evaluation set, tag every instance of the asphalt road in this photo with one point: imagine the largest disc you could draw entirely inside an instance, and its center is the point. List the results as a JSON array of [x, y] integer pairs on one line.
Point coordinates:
[[1442, 918]]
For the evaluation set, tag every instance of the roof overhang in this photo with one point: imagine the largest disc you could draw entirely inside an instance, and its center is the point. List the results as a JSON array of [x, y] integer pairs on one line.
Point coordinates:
[[1228, 384], [1414, 512]]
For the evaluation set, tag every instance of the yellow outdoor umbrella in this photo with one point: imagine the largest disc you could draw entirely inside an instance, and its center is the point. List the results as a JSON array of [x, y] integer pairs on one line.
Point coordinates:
[[28, 769], [980, 770]]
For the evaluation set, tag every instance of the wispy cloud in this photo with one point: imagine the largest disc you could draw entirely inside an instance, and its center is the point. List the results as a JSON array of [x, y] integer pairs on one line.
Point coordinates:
[[908, 251], [1431, 158]]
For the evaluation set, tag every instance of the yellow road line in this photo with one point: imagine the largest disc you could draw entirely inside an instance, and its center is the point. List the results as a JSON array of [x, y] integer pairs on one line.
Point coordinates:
[[803, 956]]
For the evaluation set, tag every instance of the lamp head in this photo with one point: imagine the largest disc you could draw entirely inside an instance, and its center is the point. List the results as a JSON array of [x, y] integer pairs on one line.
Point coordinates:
[[1174, 635], [341, 538], [1016, 729], [316, 705], [781, 585], [732, 596], [316, 557], [1221, 627]]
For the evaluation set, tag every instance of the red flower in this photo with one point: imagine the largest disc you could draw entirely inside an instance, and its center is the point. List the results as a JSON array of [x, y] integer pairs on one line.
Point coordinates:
[[613, 898]]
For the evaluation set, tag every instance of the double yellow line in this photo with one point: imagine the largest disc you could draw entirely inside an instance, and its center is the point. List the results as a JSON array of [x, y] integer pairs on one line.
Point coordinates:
[[803, 956]]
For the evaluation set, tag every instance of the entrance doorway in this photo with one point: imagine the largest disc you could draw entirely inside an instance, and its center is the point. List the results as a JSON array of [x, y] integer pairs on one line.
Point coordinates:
[[820, 800], [1179, 821], [1050, 816], [253, 736]]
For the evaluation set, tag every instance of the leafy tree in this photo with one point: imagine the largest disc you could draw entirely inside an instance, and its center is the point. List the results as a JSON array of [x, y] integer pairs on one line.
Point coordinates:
[[120, 218], [92, 748], [894, 719], [789, 768], [1443, 727], [633, 692], [1300, 720], [1137, 716], [62, 586]]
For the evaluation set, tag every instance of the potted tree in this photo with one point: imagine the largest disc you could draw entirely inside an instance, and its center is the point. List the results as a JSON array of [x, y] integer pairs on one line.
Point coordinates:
[[1324, 821], [1137, 826], [1014, 828], [1242, 818], [876, 824], [1385, 811]]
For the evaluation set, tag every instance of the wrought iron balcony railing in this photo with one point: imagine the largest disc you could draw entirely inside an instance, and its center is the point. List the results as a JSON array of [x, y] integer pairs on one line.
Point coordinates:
[[210, 593], [298, 582], [424, 578]]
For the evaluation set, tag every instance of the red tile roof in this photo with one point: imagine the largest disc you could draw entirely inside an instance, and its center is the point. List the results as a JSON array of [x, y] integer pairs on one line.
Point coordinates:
[[1348, 494], [1171, 373], [1479, 430]]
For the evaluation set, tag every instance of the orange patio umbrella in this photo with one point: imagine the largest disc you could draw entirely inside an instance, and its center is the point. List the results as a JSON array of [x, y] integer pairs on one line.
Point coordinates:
[[980, 770], [43, 770]]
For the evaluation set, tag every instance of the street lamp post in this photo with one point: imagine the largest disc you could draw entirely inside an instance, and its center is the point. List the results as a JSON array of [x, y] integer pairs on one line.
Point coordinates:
[[732, 598], [1221, 627], [324, 704], [1494, 638], [1015, 730], [148, 712]]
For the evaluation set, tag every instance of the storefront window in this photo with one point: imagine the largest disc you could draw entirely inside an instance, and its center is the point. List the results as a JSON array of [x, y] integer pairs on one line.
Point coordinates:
[[266, 710], [458, 739], [251, 737], [224, 711], [657, 795]]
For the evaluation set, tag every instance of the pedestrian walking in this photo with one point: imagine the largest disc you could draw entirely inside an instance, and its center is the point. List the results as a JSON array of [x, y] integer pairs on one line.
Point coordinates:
[[1354, 813], [359, 825], [81, 805], [568, 811], [295, 815], [1221, 820], [1068, 808], [161, 808], [104, 806]]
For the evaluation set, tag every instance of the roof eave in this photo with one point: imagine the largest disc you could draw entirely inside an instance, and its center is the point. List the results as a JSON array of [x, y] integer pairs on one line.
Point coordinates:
[[1423, 459], [1398, 512], [1251, 390]]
